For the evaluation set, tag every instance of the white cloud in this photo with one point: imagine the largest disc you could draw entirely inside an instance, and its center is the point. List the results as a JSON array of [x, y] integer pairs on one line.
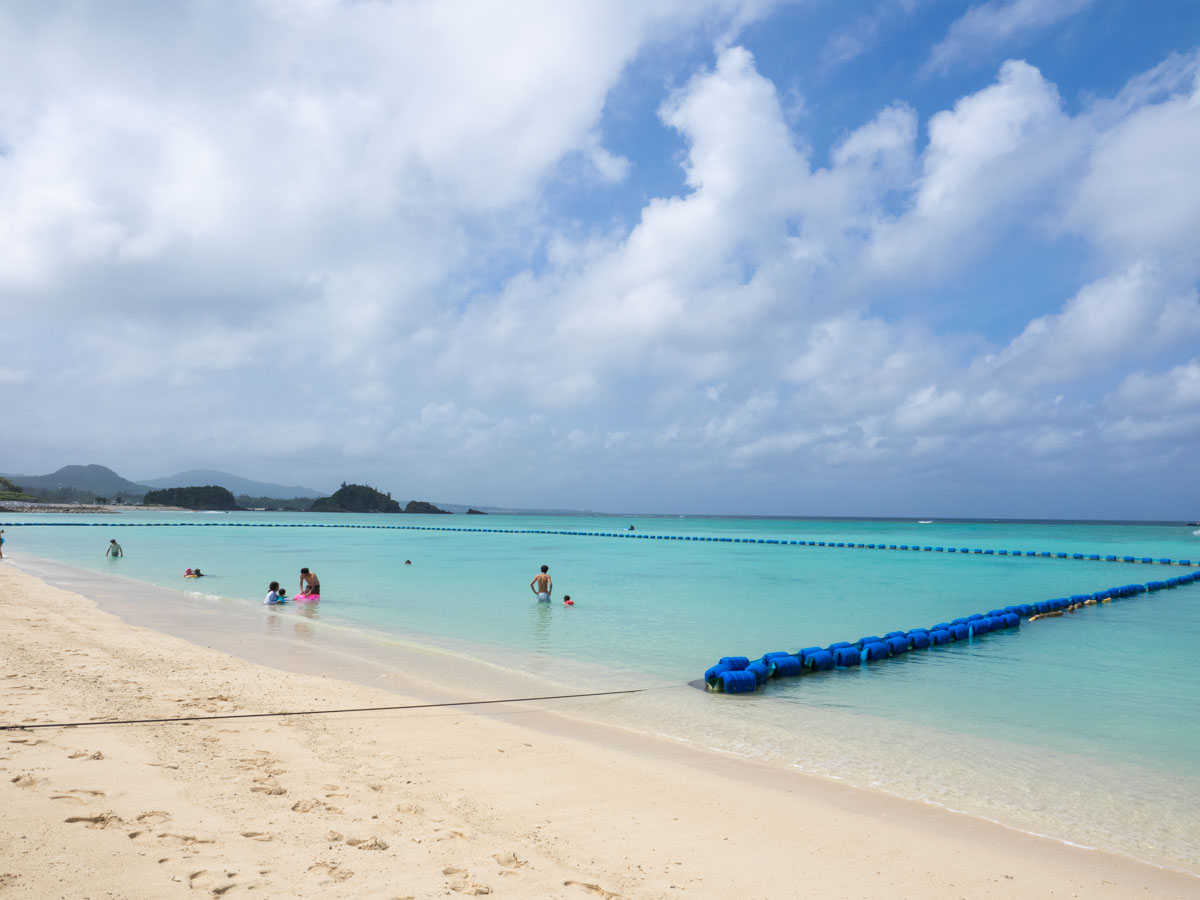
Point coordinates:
[[1131, 314], [985, 27], [1165, 393], [1140, 192], [988, 161]]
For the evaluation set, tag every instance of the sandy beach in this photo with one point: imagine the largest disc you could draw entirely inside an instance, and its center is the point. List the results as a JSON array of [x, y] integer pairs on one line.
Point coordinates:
[[509, 800]]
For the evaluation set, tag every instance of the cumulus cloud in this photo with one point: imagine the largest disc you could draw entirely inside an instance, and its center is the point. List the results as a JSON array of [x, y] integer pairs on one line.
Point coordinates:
[[350, 223]]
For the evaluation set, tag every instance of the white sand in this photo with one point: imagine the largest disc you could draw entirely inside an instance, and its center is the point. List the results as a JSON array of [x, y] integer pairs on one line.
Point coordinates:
[[512, 802]]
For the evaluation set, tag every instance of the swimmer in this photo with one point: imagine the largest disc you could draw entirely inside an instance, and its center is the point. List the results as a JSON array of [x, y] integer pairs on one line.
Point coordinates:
[[309, 582], [542, 586], [567, 601], [274, 594], [408, 562], [114, 549]]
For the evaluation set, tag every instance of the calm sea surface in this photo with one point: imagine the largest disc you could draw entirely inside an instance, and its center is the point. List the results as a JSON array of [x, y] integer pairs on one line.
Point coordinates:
[[1084, 728]]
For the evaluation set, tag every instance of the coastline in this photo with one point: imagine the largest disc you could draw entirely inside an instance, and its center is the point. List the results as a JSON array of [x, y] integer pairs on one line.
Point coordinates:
[[516, 801]]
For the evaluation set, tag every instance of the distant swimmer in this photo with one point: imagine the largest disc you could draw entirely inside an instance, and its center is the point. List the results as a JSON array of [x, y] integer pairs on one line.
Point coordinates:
[[309, 582], [542, 585], [567, 601], [275, 594], [114, 549]]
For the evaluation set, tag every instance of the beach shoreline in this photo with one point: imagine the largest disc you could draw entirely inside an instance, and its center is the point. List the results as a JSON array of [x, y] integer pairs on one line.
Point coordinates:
[[515, 801]]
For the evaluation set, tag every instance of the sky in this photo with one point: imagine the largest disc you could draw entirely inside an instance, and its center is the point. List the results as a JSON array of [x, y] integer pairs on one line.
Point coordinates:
[[884, 258]]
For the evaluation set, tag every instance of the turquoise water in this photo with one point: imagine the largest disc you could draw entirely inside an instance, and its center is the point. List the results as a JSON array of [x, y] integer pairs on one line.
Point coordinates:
[[1085, 728]]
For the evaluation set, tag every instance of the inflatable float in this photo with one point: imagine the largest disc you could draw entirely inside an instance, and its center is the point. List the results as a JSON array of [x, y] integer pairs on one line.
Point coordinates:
[[306, 598]]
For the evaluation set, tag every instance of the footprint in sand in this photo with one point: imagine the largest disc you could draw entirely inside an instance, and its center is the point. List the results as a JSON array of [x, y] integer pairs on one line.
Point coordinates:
[[372, 843], [331, 869], [593, 889], [186, 840], [303, 806], [271, 790], [472, 888], [77, 796], [508, 860], [258, 835], [154, 817], [77, 754], [217, 883], [25, 781], [104, 820]]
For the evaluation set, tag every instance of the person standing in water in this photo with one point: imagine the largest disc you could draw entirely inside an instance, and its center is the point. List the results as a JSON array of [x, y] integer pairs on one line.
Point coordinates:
[[542, 585], [309, 582], [114, 549]]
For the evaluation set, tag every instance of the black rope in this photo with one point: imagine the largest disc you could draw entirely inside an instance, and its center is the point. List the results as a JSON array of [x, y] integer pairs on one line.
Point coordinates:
[[312, 712]]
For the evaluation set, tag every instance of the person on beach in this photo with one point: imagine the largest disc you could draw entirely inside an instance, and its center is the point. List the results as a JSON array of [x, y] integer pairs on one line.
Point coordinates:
[[1, 543], [114, 549], [274, 594], [542, 586], [309, 582]]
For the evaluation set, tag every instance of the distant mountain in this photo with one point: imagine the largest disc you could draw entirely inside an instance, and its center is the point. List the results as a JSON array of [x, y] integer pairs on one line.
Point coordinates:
[[97, 480], [233, 483]]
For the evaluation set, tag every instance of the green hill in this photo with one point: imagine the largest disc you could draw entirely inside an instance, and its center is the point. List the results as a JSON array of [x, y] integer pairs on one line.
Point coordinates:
[[210, 496], [356, 498]]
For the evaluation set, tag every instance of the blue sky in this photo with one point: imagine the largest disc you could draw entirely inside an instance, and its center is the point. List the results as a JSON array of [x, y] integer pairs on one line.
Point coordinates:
[[903, 257]]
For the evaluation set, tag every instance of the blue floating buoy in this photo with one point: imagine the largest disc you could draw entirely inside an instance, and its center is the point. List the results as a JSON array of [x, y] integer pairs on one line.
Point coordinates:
[[918, 640], [787, 665], [739, 682], [939, 636], [844, 657], [736, 663], [820, 660], [875, 650], [760, 670], [897, 645]]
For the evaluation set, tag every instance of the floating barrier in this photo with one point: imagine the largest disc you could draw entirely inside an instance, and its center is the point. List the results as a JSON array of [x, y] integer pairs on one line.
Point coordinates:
[[1042, 554], [870, 649]]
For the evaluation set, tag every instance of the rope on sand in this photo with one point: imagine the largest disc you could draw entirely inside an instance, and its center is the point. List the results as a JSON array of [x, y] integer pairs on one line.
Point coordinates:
[[314, 712]]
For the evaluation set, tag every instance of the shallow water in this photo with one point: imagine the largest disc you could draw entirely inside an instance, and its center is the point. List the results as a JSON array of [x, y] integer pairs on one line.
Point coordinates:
[[1084, 728]]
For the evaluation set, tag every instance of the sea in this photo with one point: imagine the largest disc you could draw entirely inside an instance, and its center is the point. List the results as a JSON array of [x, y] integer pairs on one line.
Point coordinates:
[[1084, 728]]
